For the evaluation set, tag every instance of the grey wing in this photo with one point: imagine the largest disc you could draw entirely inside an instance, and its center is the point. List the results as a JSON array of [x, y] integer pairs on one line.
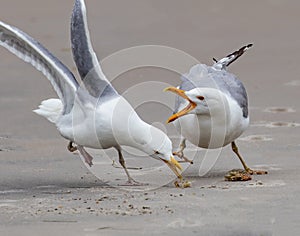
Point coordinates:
[[84, 56], [237, 91], [31, 51]]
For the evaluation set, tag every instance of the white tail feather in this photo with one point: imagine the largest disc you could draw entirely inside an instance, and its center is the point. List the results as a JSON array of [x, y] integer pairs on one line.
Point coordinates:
[[51, 109]]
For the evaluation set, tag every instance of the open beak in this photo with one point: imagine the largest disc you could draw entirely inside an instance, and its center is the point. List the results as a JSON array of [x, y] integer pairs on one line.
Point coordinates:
[[174, 166], [185, 110]]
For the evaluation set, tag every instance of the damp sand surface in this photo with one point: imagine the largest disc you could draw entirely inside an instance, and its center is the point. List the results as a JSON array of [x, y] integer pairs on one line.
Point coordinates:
[[45, 190]]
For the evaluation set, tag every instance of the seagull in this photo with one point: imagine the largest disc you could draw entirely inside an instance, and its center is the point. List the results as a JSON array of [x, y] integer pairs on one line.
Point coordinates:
[[91, 113], [211, 110]]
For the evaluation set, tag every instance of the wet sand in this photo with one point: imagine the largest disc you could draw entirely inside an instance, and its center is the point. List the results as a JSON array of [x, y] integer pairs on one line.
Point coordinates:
[[46, 190]]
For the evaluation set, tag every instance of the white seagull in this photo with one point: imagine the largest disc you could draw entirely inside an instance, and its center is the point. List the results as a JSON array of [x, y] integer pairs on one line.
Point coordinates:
[[93, 114], [211, 110]]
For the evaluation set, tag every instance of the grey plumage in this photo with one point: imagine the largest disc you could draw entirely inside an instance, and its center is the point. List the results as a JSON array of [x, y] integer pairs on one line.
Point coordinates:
[[85, 58], [31, 51]]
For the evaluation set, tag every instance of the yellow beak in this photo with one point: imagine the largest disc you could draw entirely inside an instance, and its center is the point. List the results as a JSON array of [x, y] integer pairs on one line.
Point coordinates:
[[185, 110], [174, 166]]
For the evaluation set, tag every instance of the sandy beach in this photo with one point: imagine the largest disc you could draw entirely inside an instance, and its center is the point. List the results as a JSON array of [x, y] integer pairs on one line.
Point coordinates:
[[46, 190]]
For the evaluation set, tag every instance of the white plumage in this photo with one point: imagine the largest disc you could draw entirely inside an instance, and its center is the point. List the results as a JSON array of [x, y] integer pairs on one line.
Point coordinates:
[[51, 109]]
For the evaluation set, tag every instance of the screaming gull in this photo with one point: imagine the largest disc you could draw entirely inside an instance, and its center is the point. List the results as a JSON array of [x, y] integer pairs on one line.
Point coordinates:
[[211, 110]]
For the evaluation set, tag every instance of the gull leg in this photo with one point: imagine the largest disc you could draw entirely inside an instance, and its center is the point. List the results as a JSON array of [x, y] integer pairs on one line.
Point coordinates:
[[180, 154], [131, 181], [87, 157], [243, 175], [114, 164], [236, 151]]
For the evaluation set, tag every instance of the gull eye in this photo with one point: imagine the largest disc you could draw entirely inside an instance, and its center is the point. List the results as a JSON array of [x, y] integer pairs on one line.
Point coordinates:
[[156, 152], [200, 98]]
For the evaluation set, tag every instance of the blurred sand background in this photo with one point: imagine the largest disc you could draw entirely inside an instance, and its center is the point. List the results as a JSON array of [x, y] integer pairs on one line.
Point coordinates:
[[45, 190]]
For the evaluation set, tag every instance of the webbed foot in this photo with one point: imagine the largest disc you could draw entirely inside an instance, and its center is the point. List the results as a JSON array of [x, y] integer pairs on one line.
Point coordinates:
[[181, 183], [257, 172], [132, 182]]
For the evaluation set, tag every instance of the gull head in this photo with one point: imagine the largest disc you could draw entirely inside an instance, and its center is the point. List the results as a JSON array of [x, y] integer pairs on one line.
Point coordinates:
[[196, 98], [160, 147]]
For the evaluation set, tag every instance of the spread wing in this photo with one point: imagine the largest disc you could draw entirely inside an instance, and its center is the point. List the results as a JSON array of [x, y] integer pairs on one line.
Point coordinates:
[[31, 51], [84, 56]]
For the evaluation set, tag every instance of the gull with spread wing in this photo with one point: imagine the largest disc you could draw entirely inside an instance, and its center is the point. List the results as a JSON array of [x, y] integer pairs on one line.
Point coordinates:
[[91, 114]]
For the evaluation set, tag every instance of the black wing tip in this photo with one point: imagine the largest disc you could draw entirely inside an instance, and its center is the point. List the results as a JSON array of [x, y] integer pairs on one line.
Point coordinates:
[[238, 53], [242, 50], [249, 45]]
